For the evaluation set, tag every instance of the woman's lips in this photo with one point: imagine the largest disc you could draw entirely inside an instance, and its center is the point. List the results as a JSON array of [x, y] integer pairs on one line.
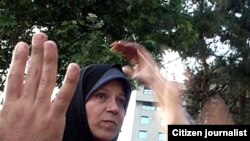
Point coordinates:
[[110, 122]]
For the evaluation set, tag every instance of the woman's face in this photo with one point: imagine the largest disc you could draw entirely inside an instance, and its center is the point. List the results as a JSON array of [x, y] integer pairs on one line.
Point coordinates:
[[105, 110]]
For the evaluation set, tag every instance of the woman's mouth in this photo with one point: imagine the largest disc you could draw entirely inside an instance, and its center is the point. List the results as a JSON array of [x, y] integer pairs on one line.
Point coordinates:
[[109, 122]]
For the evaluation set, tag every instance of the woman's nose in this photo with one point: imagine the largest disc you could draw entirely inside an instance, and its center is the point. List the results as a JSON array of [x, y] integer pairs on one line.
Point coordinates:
[[112, 106]]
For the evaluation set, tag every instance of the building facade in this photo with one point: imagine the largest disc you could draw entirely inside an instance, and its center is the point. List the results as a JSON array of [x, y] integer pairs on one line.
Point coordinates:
[[147, 124]]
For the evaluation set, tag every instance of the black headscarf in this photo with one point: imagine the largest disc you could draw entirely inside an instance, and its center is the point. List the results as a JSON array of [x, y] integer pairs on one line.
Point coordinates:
[[77, 128]]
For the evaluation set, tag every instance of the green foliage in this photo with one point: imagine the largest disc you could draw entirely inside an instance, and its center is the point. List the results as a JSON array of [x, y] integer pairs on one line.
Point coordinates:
[[84, 30], [228, 75]]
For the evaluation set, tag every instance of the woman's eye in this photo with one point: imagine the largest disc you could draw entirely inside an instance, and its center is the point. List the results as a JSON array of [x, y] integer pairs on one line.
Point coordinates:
[[121, 102], [101, 96]]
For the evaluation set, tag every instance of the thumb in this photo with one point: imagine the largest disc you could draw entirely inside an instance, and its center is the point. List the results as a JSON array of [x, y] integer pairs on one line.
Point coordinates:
[[128, 70]]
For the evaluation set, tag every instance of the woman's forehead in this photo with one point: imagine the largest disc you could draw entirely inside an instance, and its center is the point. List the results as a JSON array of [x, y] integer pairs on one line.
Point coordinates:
[[114, 85]]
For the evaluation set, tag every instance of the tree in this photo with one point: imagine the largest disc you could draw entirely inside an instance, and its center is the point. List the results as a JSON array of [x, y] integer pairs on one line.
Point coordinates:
[[225, 22], [84, 29]]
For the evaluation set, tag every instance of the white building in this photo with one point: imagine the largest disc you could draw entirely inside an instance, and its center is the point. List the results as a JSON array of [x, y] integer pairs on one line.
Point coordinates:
[[147, 125]]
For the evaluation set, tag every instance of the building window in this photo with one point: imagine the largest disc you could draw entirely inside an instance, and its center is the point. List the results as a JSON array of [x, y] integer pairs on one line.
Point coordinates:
[[142, 134], [148, 91], [161, 136], [148, 106], [144, 119]]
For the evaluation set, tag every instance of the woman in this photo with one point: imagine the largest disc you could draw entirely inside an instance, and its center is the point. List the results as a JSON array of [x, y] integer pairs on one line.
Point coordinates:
[[97, 109]]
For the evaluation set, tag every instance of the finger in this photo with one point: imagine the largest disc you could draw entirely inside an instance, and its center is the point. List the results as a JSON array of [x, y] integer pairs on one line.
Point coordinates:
[[128, 51], [62, 100], [142, 53], [14, 84], [48, 77], [132, 52], [128, 70], [35, 66]]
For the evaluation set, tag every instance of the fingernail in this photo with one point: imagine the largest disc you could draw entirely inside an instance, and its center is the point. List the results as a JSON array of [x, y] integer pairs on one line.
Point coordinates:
[[20, 47], [39, 37], [73, 67]]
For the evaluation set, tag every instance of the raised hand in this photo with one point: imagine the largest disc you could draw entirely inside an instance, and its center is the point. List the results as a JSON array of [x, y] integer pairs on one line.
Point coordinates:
[[145, 70], [28, 113], [143, 64]]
